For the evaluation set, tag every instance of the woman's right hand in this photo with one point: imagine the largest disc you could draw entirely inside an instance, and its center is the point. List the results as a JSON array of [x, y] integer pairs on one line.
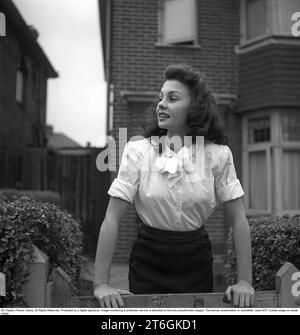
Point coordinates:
[[109, 297]]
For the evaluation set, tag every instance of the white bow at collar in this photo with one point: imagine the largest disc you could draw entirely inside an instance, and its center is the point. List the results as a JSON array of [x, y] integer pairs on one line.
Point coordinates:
[[176, 165]]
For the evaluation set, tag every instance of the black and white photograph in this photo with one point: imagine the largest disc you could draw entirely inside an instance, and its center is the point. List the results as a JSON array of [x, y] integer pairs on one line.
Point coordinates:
[[149, 159]]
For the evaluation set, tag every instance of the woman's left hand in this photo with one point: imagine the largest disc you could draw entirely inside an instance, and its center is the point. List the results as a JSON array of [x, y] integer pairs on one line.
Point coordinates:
[[242, 294]]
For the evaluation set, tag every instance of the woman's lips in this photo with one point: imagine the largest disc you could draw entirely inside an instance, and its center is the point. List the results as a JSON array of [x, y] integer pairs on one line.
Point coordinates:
[[163, 116]]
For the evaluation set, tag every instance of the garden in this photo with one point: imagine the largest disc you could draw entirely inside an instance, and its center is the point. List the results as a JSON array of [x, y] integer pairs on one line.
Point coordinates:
[[32, 229], [42, 244]]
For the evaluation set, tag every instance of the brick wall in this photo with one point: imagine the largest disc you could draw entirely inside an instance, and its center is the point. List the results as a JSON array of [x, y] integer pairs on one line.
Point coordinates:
[[20, 125], [269, 76], [138, 63]]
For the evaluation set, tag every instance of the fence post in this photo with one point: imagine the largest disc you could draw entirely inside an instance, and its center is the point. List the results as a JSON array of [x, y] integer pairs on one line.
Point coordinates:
[[288, 286], [2, 285], [286, 295], [34, 290], [49, 294], [60, 289]]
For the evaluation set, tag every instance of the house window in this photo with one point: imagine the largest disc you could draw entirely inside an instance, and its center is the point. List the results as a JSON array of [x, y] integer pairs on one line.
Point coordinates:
[[35, 82], [177, 22], [256, 18], [258, 196], [291, 179], [290, 159], [20, 86], [271, 162], [21, 75], [283, 22], [262, 18], [291, 126], [259, 130]]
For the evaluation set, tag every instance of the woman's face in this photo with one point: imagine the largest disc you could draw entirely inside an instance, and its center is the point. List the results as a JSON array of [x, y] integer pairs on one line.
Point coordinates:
[[173, 105]]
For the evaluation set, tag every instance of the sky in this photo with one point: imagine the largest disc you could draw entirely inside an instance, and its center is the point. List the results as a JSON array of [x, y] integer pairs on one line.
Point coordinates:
[[69, 34]]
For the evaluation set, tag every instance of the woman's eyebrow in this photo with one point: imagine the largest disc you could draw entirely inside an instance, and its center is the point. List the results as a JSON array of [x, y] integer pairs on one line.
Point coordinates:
[[170, 92]]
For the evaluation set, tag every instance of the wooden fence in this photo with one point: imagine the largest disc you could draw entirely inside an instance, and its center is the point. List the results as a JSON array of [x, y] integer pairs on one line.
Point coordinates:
[[55, 291], [74, 175], [287, 294], [83, 190], [10, 167]]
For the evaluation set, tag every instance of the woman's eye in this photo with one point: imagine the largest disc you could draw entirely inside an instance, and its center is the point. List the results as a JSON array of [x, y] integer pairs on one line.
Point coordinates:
[[160, 98]]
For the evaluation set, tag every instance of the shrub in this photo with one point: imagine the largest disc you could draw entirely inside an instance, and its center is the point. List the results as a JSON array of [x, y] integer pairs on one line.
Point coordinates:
[[8, 194], [24, 222], [274, 240]]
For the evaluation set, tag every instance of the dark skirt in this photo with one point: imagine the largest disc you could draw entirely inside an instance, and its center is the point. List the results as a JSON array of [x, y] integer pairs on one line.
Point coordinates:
[[164, 261]]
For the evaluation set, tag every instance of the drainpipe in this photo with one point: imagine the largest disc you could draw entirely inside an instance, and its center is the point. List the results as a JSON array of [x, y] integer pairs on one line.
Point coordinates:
[[108, 59]]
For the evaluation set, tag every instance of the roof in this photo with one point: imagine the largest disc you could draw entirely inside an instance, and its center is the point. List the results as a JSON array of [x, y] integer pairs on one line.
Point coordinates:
[[72, 152], [64, 145], [25, 35], [60, 140]]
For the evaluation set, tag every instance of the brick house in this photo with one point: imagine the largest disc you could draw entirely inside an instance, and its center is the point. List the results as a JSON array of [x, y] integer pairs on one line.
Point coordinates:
[[24, 70], [252, 63]]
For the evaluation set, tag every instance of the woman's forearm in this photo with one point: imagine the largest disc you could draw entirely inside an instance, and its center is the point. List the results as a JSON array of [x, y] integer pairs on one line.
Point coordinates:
[[242, 242], [105, 251]]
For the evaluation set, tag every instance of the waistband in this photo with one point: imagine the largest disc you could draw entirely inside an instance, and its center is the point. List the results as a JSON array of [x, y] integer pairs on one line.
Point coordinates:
[[150, 233]]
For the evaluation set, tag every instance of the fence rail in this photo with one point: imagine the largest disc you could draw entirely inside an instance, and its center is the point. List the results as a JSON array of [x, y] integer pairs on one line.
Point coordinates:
[[263, 299], [287, 294], [56, 292]]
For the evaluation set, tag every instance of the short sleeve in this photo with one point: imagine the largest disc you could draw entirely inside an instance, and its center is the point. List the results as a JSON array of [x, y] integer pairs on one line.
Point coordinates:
[[126, 184], [227, 186]]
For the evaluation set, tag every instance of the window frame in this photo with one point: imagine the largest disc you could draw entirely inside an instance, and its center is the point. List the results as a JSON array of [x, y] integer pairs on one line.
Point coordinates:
[[243, 26], [36, 82], [161, 39], [22, 69], [20, 76], [274, 149], [287, 144], [272, 29], [286, 148], [257, 147]]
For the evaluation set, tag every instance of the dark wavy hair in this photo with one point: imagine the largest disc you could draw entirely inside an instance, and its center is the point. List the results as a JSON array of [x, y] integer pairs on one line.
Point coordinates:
[[202, 116]]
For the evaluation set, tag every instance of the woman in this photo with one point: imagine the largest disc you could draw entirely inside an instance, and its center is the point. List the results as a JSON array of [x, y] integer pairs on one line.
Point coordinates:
[[174, 194]]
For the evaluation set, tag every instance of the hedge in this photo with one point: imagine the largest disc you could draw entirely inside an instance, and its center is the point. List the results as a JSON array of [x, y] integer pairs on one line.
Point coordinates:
[[274, 241], [10, 194], [24, 222]]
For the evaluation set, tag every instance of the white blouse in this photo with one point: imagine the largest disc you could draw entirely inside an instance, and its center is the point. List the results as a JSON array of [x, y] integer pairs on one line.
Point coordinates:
[[171, 193]]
